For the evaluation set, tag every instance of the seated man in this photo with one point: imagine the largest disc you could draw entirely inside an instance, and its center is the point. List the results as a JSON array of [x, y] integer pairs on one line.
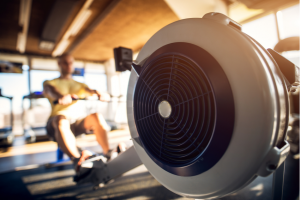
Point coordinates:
[[65, 121]]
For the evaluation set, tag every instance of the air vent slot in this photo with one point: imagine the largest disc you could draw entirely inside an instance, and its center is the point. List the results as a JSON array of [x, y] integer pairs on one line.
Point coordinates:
[[235, 25]]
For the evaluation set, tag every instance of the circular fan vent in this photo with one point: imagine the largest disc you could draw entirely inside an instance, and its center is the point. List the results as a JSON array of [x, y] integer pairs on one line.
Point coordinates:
[[174, 109]]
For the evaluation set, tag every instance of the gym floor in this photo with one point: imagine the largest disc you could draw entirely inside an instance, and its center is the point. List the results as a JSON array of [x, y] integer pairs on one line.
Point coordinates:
[[24, 176]]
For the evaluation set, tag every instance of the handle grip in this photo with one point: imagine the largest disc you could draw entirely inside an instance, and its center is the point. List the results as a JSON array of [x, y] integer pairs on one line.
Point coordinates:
[[73, 99]]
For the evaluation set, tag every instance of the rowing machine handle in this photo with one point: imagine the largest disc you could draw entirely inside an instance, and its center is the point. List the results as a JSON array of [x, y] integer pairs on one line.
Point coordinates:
[[73, 99]]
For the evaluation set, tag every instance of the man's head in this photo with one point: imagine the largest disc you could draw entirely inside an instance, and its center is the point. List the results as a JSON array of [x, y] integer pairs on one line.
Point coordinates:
[[65, 63]]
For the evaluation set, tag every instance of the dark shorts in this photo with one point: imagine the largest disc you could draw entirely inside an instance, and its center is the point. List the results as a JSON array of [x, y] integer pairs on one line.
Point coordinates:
[[77, 127]]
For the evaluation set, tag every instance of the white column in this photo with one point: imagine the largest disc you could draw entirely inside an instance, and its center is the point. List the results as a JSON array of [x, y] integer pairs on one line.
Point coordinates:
[[113, 87]]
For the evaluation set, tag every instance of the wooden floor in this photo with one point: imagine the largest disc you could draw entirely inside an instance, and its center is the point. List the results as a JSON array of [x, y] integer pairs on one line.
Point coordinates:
[[22, 154], [37, 182]]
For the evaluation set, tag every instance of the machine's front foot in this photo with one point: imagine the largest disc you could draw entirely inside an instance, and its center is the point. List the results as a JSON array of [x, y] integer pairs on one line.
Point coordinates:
[[98, 171], [93, 170]]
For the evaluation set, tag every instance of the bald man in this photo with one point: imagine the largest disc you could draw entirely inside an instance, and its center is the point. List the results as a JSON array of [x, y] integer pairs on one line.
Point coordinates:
[[65, 121]]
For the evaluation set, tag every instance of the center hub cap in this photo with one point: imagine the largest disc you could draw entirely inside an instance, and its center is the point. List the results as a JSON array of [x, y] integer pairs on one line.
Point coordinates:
[[164, 109]]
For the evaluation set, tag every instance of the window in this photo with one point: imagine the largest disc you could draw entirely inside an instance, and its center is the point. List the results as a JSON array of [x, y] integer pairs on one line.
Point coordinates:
[[96, 81], [39, 76], [124, 79], [15, 85], [263, 30], [289, 26], [289, 22]]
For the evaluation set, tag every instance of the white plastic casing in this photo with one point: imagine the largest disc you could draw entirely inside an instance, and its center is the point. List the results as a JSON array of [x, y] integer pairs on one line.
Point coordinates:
[[256, 101]]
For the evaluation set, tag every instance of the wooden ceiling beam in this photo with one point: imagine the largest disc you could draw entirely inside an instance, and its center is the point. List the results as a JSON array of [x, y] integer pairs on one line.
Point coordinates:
[[81, 17], [93, 25], [24, 18], [37, 55], [57, 18]]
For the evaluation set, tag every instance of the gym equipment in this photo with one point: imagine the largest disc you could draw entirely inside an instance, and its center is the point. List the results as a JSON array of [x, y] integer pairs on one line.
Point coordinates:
[[80, 99], [31, 133], [6, 135], [99, 172], [11, 67], [207, 109], [78, 72], [291, 44], [228, 107], [123, 59], [111, 123], [287, 44]]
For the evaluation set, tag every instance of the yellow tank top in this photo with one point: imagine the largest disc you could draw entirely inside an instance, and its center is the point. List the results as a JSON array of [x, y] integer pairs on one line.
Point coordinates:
[[66, 87]]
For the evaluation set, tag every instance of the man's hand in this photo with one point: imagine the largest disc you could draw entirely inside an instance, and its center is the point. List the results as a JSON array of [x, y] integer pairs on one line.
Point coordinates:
[[97, 94], [66, 99], [101, 96]]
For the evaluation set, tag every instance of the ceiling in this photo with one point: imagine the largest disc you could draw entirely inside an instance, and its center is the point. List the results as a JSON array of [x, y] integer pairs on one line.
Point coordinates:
[[9, 17], [110, 24], [129, 24]]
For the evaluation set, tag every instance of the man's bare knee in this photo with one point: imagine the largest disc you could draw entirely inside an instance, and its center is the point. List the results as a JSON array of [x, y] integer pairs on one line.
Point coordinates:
[[56, 120], [100, 120]]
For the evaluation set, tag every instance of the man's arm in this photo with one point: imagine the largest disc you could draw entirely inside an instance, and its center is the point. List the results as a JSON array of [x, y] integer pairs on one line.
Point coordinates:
[[53, 93], [92, 92], [101, 96]]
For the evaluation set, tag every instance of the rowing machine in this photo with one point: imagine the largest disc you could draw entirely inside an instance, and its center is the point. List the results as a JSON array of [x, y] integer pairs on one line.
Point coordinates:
[[208, 109], [6, 135], [84, 99]]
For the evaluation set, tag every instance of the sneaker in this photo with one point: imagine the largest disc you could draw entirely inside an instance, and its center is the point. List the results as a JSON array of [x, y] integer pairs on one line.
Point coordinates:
[[108, 155], [85, 154]]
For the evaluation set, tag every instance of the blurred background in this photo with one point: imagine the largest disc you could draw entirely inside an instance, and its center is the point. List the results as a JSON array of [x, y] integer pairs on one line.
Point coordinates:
[[34, 32]]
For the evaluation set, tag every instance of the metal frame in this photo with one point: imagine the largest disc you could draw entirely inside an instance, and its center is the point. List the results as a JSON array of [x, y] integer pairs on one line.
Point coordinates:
[[97, 172], [8, 134], [278, 183]]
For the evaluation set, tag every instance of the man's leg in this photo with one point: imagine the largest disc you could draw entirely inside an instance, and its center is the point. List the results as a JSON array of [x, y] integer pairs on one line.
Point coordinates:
[[97, 123], [64, 136]]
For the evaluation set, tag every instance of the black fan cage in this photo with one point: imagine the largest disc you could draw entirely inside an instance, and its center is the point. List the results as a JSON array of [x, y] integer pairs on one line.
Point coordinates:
[[181, 138]]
